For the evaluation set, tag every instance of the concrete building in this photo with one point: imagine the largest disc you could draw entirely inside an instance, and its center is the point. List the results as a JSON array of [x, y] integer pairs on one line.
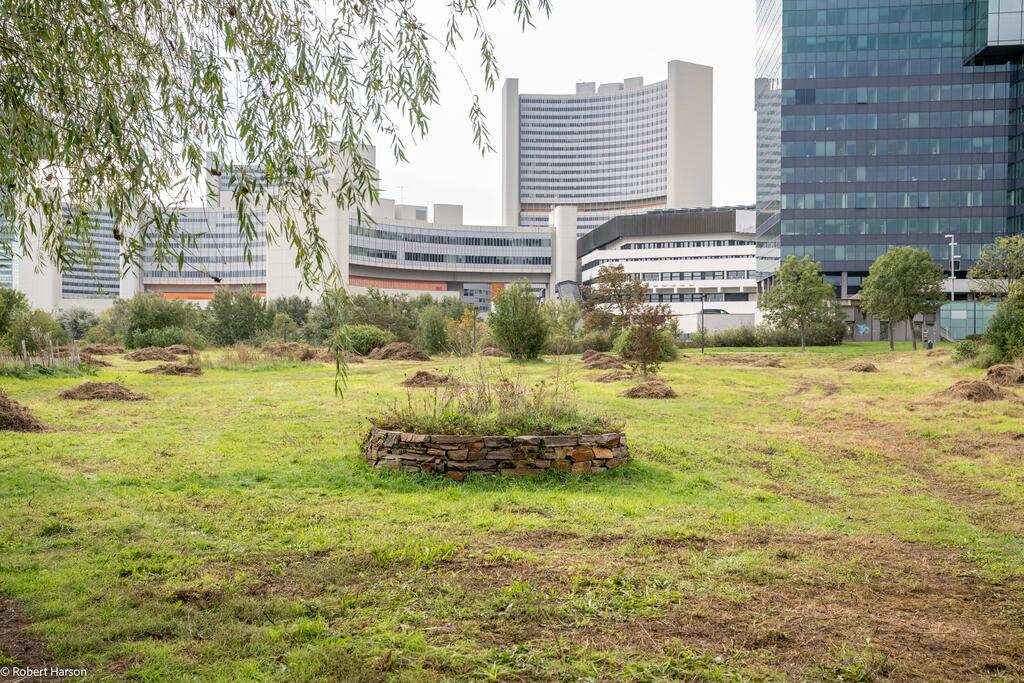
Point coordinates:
[[894, 124], [692, 260], [609, 150]]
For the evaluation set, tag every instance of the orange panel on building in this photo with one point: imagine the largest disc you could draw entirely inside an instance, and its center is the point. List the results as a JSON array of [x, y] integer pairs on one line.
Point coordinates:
[[417, 285], [496, 287]]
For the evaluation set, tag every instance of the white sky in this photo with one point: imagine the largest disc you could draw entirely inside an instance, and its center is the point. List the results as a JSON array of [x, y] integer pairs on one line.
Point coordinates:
[[584, 40]]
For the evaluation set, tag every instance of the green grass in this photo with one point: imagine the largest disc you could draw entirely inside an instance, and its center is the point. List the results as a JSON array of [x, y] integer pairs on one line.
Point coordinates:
[[802, 522]]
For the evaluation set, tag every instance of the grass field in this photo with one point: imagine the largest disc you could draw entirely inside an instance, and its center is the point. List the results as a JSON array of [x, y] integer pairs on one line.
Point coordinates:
[[798, 523]]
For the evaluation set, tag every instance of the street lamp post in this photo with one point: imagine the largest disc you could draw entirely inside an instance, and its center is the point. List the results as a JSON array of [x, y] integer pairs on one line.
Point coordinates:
[[952, 267], [703, 299]]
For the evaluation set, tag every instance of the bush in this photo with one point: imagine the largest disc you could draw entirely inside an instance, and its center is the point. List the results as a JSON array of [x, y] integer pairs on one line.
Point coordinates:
[[164, 337], [37, 329], [284, 328], [151, 312], [77, 321], [517, 324], [746, 336], [237, 316], [966, 350], [433, 329], [295, 307], [664, 339], [562, 345], [13, 304], [366, 338], [102, 334], [597, 340], [1005, 333]]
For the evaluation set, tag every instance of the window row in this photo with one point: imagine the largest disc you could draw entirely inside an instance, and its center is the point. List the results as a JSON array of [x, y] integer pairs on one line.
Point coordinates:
[[919, 146]]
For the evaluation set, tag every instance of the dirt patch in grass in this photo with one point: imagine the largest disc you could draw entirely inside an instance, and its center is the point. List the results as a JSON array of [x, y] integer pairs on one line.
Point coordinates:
[[861, 366], [17, 644], [15, 417], [603, 361], [102, 391], [152, 353], [102, 349], [938, 353], [654, 388], [492, 352], [175, 369], [975, 391], [399, 351], [424, 379], [1005, 375], [615, 376]]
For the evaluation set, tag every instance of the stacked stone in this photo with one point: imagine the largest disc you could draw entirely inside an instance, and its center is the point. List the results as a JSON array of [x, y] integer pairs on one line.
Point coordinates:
[[512, 456]]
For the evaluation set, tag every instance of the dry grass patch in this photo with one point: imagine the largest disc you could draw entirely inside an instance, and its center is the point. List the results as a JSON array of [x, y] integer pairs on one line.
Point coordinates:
[[399, 351], [861, 366], [424, 379], [151, 353], [975, 391], [654, 388], [15, 417], [175, 369], [102, 391], [1005, 375]]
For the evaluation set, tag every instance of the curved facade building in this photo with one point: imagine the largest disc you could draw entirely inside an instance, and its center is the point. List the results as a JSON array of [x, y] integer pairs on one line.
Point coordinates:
[[609, 150]]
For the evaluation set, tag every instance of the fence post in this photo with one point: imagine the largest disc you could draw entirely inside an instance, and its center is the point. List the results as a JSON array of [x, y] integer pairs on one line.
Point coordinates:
[[24, 354]]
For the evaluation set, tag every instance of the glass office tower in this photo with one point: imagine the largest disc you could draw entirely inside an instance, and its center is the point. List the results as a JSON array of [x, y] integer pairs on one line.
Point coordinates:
[[879, 125]]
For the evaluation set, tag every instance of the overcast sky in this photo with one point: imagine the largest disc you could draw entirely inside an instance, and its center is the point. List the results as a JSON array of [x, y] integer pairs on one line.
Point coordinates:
[[584, 40]]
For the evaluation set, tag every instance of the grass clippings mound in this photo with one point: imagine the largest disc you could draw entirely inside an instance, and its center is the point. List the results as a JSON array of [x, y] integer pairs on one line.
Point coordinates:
[[90, 359], [296, 351], [654, 388], [182, 349], [152, 353], [424, 379], [603, 361], [399, 351], [493, 352], [102, 391], [102, 350], [1005, 375], [175, 369], [752, 360], [977, 391], [588, 354], [615, 376], [15, 417], [861, 366]]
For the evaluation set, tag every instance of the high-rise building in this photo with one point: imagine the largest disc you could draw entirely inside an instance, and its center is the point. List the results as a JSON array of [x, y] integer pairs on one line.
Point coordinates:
[[882, 124], [609, 150]]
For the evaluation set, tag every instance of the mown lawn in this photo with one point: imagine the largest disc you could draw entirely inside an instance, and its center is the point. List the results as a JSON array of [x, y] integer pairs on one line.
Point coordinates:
[[777, 523]]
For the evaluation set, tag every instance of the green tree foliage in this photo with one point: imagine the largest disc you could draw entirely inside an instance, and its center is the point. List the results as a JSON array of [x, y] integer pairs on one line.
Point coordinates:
[[612, 297], [649, 340], [396, 314], [284, 328], [517, 324], [36, 329], [464, 333], [1005, 334], [800, 299], [165, 336], [433, 329], [902, 283], [295, 307], [117, 104], [12, 304], [365, 338], [1000, 266], [237, 316], [77, 321]]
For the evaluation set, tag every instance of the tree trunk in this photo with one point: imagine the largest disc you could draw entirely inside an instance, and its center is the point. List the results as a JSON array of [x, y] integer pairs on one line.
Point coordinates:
[[803, 339], [913, 334], [892, 339]]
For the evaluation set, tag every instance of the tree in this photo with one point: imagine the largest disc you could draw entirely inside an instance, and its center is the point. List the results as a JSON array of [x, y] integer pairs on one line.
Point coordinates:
[[517, 324], [999, 266], [433, 329], [647, 340], [237, 316], [1005, 333], [800, 298], [295, 307], [284, 328], [463, 333], [12, 304], [77, 321], [34, 331], [125, 105], [902, 283], [613, 291]]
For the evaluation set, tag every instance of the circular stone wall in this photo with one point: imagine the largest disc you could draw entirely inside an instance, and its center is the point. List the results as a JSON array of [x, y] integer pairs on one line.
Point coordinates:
[[514, 456]]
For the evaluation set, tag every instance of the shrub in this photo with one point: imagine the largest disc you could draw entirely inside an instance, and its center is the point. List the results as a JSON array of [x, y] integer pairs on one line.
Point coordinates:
[[164, 337], [365, 338], [648, 341], [827, 334], [151, 312], [297, 308], [597, 340], [1005, 333], [13, 304], [284, 328], [433, 329], [562, 345], [746, 335], [517, 324], [102, 334], [463, 333], [966, 350], [77, 321], [237, 316], [37, 329]]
